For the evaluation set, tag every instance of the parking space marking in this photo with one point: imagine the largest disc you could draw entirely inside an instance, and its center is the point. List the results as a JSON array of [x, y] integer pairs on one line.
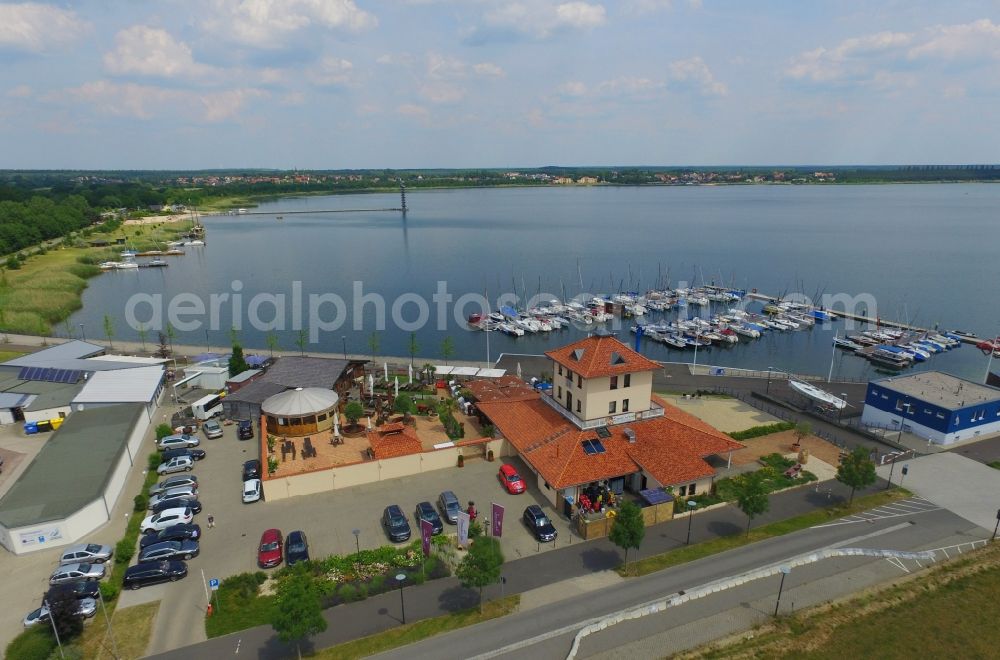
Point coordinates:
[[886, 511]]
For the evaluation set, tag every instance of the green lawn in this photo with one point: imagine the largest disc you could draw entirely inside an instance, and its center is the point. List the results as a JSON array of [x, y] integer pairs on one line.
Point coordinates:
[[9, 355]]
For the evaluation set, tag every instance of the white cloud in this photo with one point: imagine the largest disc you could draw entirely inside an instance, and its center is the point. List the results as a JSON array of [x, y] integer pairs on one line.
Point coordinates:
[[970, 40], [572, 88], [488, 69], [538, 20], [34, 27], [395, 59], [331, 72], [694, 71], [149, 102], [413, 110], [441, 92], [19, 92], [148, 51], [849, 59], [446, 67], [268, 23]]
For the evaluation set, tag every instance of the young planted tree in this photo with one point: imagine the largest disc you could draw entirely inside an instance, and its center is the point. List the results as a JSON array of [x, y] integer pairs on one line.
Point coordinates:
[[302, 340], [856, 470], [237, 363], [404, 405], [109, 329], [354, 411], [234, 336], [143, 331], [447, 349], [298, 612], [481, 565], [272, 341], [373, 344], [752, 496], [414, 347], [163, 351], [628, 529], [171, 336], [801, 431]]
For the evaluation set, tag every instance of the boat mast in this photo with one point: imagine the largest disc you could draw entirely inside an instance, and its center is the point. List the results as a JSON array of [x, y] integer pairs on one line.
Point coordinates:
[[829, 376]]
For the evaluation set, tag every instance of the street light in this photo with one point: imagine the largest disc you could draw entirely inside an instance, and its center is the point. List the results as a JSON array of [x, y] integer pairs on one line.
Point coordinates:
[[692, 505], [892, 466], [785, 570], [343, 338], [82, 333], [357, 541], [400, 579], [55, 632]]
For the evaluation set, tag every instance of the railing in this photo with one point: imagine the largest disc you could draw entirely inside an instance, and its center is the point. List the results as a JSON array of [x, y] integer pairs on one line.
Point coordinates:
[[655, 410]]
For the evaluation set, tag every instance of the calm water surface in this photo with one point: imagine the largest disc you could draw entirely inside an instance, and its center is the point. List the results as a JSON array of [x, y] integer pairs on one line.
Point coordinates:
[[925, 252]]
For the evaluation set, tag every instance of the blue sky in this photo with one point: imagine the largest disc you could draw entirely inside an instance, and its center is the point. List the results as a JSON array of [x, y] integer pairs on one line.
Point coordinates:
[[496, 83]]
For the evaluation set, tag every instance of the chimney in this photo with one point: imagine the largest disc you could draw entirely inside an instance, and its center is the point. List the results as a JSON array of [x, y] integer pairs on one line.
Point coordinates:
[[630, 434]]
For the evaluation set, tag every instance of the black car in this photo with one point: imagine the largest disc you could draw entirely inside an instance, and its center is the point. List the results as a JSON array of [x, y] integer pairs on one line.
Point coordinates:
[[194, 454], [539, 524], [244, 429], [169, 550], [154, 572], [396, 524], [251, 470], [296, 548], [450, 506], [179, 532], [194, 505], [426, 511], [80, 590]]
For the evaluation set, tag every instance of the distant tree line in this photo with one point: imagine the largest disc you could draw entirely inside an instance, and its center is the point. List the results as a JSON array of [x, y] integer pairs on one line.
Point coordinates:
[[38, 218]]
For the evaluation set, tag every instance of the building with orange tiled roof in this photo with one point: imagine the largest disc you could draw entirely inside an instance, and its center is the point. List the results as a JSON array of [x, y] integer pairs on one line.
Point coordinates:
[[392, 440], [604, 425]]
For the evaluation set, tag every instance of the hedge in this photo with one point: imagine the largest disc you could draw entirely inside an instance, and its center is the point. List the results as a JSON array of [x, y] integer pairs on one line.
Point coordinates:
[[758, 431]]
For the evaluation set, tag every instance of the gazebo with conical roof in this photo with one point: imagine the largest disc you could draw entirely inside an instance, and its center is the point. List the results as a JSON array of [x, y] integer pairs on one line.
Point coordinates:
[[300, 411]]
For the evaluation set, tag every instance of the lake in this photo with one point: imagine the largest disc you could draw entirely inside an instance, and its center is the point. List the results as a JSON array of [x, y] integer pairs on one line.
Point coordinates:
[[922, 252]]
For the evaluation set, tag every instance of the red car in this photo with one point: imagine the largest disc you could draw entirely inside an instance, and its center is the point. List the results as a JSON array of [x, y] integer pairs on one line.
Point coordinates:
[[270, 551], [511, 480]]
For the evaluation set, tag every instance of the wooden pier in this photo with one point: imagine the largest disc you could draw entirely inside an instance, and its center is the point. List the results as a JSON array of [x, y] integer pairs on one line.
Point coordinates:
[[278, 213]]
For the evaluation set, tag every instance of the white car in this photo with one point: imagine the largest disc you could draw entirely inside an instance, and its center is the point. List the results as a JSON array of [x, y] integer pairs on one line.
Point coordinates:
[[182, 441], [251, 491], [163, 519], [176, 464]]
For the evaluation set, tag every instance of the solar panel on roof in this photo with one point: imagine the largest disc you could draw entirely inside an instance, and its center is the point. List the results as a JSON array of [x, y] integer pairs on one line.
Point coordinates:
[[591, 447], [23, 373]]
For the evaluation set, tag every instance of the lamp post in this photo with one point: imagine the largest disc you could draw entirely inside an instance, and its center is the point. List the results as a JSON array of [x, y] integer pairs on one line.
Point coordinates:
[[767, 390], [208, 344], [692, 505], [107, 621], [400, 579], [343, 338], [997, 526], [55, 632], [82, 333], [785, 570], [892, 466], [357, 539]]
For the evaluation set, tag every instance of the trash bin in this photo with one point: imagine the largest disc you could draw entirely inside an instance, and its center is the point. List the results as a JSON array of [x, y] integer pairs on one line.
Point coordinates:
[[56, 422], [31, 428], [44, 426]]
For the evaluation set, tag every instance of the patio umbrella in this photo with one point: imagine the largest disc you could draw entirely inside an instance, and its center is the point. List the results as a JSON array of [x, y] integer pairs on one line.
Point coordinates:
[[396, 388], [336, 424], [519, 371], [369, 423], [410, 373], [371, 385], [385, 369]]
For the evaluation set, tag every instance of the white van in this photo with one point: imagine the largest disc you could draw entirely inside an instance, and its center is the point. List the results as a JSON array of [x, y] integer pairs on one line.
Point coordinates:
[[207, 407]]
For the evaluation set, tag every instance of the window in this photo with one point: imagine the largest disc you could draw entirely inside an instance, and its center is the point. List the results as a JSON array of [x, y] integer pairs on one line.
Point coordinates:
[[559, 392], [899, 405], [691, 489], [560, 370], [282, 421], [628, 380], [624, 405], [683, 491], [579, 380], [614, 382], [311, 419], [612, 407], [321, 418], [578, 405]]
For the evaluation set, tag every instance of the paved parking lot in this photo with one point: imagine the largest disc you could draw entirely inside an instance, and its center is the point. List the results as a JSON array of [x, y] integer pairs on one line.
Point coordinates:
[[327, 519]]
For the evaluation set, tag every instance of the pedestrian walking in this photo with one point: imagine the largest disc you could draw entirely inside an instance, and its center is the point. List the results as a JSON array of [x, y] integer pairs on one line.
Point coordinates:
[[211, 520]]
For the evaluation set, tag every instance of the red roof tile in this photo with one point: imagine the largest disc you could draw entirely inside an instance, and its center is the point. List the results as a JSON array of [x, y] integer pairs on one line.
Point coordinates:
[[601, 355], [505, 388], [392, 440]]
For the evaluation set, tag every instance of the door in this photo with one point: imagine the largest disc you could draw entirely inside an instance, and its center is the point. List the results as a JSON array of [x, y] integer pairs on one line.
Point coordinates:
[[18, 414]]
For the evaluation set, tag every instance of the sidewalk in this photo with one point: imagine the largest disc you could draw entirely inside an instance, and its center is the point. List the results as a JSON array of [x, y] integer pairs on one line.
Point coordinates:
[[584, 558]]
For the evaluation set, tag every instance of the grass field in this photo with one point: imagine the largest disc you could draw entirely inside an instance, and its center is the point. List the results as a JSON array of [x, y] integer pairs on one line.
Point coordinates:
[[947, 612], [9, 355], [133, 627]]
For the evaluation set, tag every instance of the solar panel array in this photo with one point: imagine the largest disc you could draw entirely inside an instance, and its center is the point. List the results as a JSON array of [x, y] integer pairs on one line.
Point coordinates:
[[591, 447], [50, 375]]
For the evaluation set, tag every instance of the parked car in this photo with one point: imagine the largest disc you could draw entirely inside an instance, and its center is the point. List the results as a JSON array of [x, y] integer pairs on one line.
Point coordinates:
[[86, 608], [188, 492], [395, 523], [511, 480], [181, 440], [426, 511], [176, 503], [177, 464], [251, 491], [80, 589], [153, 572], [169, 550], [175, 481], [449, 506], [296, 548], [74, 572], [539, 524], [269, 551], [212, 429], [251, 470], [193, 454], [93, 553], [164, 519], [178, 532], [244, 429]]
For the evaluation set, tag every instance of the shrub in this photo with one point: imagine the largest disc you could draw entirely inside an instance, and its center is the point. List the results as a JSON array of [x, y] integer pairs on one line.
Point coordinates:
[[758, 431], [140, 502], [348, 593], [245, 585], [153, 461], [377, 585], [109, 591], [34, 644], [124, 549], [163, 430]]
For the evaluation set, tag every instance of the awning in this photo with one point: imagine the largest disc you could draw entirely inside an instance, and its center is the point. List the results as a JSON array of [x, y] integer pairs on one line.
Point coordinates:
[[442, 370], [491, 373], [465, 371]]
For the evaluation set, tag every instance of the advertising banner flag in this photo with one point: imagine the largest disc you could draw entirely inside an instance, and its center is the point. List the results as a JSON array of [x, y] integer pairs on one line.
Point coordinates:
[[426, 532], [463, 528], [496, 519]]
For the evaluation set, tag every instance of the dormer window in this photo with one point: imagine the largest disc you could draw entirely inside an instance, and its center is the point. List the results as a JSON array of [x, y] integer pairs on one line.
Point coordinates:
[[617, 359], [578, 354]]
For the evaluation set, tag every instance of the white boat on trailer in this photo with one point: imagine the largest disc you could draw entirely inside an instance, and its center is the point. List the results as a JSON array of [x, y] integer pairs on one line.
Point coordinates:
[[817, 394]]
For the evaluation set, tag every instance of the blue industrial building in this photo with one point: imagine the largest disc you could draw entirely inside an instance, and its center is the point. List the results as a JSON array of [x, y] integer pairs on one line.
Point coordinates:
[[939, 407]]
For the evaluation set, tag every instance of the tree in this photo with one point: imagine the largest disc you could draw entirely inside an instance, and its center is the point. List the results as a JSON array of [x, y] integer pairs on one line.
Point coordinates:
[[481, 565], [414, 347], [234, 336], [171, 336], [628, 529], [373, 344], [353, 411], [802, 429], [109, 329], [856, 470], [272, 341], [299, 608], [751, 496], [447, 349], [143, 331], [404, 405], [163, 351], [301, 340], [62, 608], [237, 363]]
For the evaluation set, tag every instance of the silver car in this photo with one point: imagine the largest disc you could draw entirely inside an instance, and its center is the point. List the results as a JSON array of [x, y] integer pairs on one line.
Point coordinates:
[[176, 464], [175, 481], [86, 607], [212, 429], [94, 553], [176, 493], [73, 572], [180, 441]]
